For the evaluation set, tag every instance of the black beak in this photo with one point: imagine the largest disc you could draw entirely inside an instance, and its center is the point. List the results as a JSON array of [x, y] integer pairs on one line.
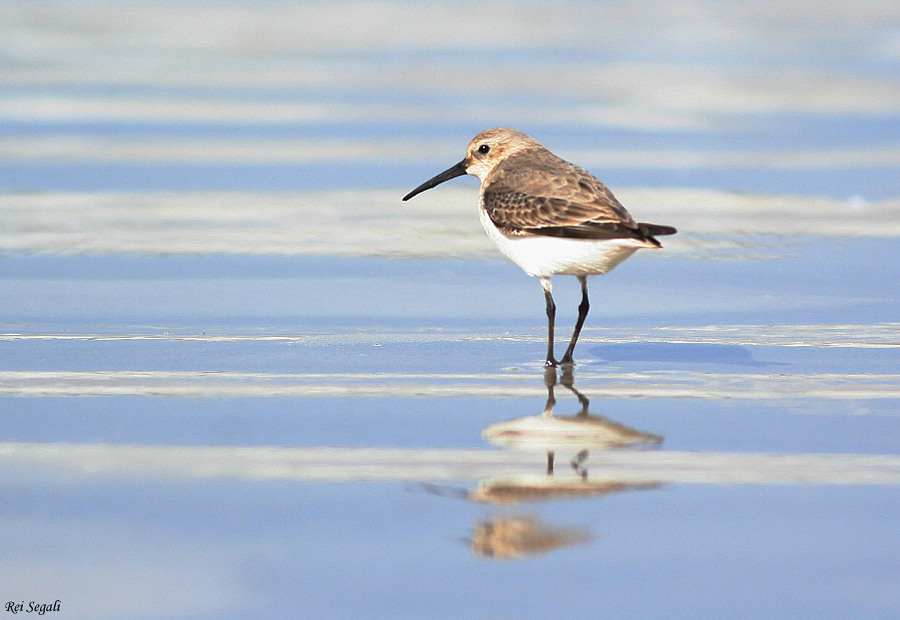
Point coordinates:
[[456, 171]]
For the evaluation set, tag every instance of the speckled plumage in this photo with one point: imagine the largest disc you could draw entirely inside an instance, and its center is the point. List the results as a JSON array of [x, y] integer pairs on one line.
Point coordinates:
[[519, 200], [531, 191]]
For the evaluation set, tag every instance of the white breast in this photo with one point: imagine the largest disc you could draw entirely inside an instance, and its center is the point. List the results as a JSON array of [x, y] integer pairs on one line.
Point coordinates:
[[548, 256]]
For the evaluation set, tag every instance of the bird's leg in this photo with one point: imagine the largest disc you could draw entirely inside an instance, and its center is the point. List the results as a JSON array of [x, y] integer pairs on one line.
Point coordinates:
[[583, 308], [551, 319]]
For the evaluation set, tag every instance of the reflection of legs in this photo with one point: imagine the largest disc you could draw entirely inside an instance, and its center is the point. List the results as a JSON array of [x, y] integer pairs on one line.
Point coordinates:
[[551, 319], [578, 464], [583, 308], [550, 382], [568, 380]]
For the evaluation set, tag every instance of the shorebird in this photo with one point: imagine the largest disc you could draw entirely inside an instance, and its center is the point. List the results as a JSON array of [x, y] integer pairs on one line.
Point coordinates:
[[548, 216]]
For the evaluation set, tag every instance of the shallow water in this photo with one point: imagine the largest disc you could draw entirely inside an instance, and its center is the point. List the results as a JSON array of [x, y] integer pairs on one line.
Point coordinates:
[[239, 377], [216, 424]]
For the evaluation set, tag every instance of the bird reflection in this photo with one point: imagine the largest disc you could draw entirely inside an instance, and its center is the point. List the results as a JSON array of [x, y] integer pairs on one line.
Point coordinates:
[[517, 536], [580, 432], [514, 537]]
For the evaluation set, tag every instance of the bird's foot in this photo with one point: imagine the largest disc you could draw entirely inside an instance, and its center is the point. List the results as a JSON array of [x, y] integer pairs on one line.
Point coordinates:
[[567, 360]]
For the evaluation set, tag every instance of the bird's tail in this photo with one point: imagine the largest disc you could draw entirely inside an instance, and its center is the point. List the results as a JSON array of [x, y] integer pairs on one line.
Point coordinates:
[[654, 230], [649, 231]]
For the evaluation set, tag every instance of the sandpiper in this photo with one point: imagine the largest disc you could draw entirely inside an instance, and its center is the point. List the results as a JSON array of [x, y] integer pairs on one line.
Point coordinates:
[[548, 216]]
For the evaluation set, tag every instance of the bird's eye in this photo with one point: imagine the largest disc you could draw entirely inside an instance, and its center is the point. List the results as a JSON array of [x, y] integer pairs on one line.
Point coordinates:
[[483, 149]]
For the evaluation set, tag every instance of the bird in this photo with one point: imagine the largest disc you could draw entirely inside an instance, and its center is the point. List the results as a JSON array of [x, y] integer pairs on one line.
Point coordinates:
[[548, 216]]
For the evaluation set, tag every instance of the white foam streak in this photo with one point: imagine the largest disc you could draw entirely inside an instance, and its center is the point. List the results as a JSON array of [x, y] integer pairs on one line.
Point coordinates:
[[319, 223], [72, 461], [867, 336], [658, 384]]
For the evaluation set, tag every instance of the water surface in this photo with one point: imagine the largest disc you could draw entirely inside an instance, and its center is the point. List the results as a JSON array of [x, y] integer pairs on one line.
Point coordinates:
[[239, 377]]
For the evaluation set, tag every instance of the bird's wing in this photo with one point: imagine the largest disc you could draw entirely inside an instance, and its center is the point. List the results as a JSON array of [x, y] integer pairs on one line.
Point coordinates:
[[561, 202]]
